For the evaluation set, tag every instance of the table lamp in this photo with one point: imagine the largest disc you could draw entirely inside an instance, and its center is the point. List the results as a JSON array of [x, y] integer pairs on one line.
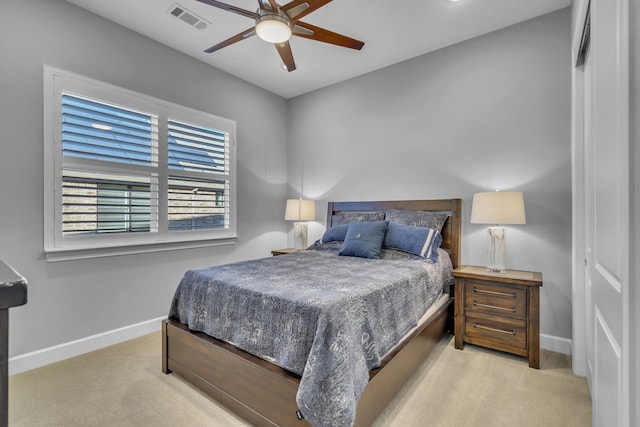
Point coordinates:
[[300, 210], [497, 207]]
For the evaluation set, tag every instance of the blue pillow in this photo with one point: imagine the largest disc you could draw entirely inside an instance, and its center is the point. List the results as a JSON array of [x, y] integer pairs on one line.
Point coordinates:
[[421, 241], [364, 239], [335, 234]]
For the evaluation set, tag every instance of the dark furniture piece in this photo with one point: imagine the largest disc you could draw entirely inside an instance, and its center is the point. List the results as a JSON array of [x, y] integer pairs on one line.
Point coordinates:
[[13, 292], [284, 251], [499, 311], [265, 394]]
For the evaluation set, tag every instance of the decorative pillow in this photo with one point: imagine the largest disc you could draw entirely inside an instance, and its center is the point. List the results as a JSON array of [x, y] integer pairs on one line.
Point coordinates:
[[364, 239], [421, 241], [335, 234], [348, 217], [416, 218]]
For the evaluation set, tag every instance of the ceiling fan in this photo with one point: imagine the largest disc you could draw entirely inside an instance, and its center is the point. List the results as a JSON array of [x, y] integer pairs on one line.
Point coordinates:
[[276, 24]]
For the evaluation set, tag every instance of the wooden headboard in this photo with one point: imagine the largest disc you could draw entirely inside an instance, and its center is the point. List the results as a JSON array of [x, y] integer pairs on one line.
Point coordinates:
[[451, 231]]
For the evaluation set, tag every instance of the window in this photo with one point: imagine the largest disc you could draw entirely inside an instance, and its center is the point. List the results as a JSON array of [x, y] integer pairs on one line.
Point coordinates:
[[128, 173]]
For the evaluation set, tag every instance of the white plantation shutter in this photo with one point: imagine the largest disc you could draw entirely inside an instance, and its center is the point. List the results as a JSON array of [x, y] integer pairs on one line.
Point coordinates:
[[96, 130], [197, 148], [97, 134], [128, 170], [108, 203], [197, 204], [198, 200]]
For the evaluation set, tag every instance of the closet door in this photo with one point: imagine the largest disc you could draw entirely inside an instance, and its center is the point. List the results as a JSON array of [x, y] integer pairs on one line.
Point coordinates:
[[607, 212]]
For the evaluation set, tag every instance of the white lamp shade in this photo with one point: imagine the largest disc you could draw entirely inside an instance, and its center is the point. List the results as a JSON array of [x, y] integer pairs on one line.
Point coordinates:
[[498, 207], [300, 210]]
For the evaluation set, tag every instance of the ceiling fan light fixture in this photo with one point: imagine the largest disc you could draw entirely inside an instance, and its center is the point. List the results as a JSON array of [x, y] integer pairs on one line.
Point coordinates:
[[273, 29]]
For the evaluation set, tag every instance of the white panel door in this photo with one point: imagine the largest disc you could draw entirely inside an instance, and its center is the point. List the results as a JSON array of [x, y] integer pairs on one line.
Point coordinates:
[[606, 211]]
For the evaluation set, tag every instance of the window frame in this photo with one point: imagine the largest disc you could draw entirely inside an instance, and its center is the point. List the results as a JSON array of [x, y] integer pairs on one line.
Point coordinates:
[[59, 247]]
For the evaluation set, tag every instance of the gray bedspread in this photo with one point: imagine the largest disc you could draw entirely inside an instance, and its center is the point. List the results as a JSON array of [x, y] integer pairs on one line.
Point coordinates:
[[325, 317]]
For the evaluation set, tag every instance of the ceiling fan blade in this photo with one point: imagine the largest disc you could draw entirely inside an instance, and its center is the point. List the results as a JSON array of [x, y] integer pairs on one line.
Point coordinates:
[[230, 8], [284, 50], [268, 4], [308, 31], [238, 37], [298, 9]]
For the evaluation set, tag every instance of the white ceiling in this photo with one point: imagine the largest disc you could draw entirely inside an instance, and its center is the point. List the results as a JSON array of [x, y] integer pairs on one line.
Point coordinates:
[[393, 31]]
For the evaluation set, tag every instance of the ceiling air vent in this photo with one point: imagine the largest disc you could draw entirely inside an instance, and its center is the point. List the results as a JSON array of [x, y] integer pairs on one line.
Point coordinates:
[[187, 16]]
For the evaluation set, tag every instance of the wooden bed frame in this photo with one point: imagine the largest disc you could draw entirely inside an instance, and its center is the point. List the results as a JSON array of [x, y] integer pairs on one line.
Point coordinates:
[[265, 394]]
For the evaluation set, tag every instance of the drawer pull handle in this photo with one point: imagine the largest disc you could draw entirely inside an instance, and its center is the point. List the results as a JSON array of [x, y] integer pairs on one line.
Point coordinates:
[[502, 294], [475, 325], [494, 307]]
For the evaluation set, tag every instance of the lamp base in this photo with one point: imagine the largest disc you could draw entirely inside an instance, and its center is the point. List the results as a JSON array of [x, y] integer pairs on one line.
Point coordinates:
[[300, 235], [496, 250]]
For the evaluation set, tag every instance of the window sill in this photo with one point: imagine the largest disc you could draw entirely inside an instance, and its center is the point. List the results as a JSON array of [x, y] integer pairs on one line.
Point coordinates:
[[55, 255]]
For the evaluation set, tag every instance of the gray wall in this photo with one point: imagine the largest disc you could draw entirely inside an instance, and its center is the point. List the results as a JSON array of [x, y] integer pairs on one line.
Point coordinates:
[[489, 113], [76, 299]]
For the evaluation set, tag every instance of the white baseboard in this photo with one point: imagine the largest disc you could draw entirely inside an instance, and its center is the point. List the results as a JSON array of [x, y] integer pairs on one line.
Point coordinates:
[[45, 356], [557, 344]]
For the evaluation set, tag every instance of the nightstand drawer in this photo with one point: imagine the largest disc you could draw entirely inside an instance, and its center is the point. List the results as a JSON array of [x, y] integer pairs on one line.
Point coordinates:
[[495, 299], [511, 331]]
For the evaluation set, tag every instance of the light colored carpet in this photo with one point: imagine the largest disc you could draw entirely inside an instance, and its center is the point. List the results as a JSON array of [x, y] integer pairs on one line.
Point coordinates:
[[123, 386]]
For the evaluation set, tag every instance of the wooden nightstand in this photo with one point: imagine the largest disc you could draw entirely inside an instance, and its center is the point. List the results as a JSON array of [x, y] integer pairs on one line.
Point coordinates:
[[499, 311], [277, 252]]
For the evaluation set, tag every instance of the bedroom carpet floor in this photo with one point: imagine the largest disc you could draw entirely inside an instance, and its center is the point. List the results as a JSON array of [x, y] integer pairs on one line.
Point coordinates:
[[123, 386]]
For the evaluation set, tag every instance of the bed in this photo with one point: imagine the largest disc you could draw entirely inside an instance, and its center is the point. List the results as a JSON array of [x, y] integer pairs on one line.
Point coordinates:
[[258, 388]]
